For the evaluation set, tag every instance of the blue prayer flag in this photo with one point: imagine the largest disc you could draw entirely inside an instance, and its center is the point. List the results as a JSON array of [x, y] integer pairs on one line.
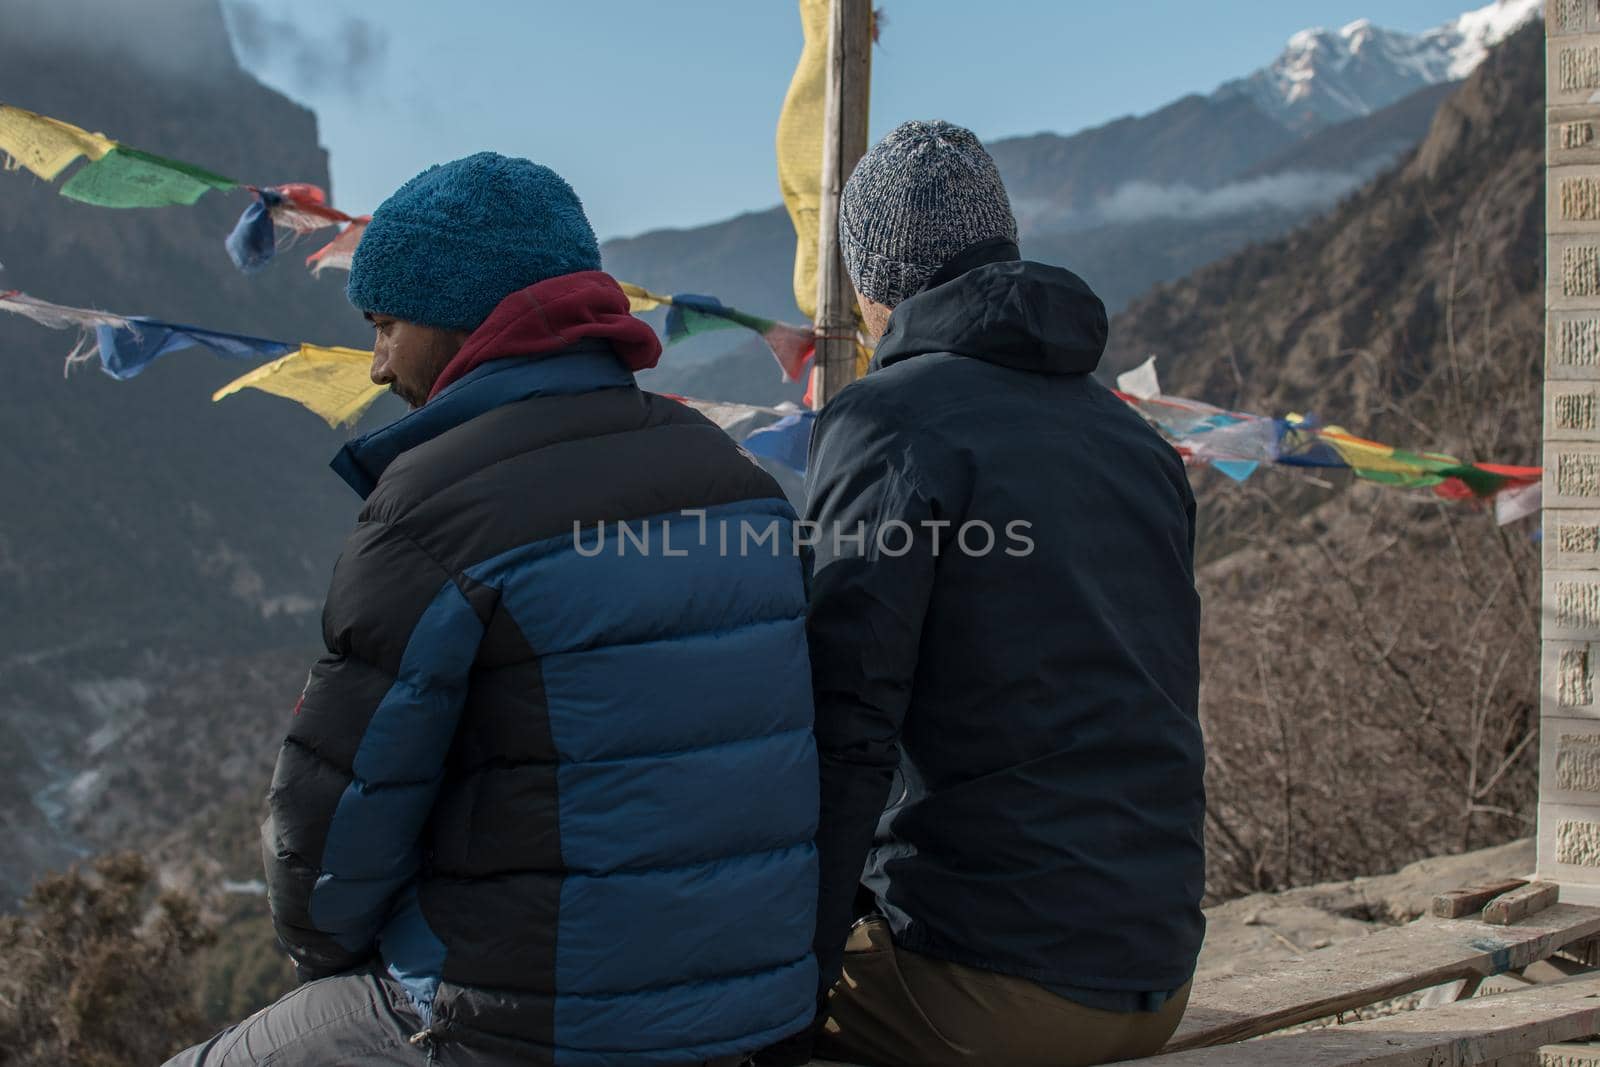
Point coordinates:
[[126, 351]]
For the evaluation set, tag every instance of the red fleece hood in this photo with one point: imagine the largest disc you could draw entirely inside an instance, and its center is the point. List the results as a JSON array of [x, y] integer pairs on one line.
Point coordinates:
[[549, 316]]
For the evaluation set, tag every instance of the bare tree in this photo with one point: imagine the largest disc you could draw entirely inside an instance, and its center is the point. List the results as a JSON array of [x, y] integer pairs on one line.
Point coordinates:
[[1371, 657]]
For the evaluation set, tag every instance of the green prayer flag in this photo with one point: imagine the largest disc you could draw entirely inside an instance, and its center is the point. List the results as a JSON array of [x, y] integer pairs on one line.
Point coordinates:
[[691, 314], [1480, 481], [127, 177], [1400, 480], [691, 322]]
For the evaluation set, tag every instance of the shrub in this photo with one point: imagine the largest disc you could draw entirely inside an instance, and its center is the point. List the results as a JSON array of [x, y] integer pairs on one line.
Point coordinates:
[[95, 969]]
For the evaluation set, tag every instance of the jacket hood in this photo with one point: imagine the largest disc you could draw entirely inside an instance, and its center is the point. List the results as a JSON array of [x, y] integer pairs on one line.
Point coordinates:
[[554, 314], [989, 304]]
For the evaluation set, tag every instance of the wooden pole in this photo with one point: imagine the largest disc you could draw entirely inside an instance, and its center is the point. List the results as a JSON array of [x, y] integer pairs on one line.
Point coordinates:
[[844, 142]]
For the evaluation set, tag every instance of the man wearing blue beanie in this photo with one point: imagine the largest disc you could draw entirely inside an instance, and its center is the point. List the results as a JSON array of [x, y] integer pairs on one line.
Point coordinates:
[[500, 829]]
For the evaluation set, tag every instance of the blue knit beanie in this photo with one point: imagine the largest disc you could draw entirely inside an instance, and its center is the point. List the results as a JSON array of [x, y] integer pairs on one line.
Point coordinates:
[[458, 238]]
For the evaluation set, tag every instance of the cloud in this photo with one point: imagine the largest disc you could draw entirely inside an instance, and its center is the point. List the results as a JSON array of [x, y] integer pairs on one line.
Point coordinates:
[[342, 59], [1141, 201], [1302, 191]]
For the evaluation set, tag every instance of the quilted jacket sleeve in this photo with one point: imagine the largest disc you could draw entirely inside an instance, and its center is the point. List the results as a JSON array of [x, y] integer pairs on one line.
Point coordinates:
[[361, 765]]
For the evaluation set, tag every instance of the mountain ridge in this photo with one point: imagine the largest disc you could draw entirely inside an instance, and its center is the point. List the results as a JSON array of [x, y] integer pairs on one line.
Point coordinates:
[[1252, 301], [150, 533], [1367, 648], [1325, 76], [1133, 202], [154, 536]]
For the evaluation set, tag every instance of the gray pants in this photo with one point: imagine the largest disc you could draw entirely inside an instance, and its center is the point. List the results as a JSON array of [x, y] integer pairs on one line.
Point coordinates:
[[362, 1018]]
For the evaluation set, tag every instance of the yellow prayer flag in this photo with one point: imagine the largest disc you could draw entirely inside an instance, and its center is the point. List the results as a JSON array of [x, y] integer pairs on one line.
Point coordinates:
[[1375, 458], [334, 383], [642, 299], [45, 145], [1367, 455], [800, 149]]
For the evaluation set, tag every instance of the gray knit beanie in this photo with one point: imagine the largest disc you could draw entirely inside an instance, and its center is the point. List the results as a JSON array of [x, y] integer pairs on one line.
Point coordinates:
[[919, 196]]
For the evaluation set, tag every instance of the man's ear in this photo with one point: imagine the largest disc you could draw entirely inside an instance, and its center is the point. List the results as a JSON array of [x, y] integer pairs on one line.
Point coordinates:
[[874, 316]]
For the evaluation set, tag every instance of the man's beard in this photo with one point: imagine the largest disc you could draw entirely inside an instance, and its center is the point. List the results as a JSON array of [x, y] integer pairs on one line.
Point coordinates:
[[410, 401]]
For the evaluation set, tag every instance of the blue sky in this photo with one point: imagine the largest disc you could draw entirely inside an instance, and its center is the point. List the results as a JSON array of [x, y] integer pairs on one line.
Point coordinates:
[[662, 114]]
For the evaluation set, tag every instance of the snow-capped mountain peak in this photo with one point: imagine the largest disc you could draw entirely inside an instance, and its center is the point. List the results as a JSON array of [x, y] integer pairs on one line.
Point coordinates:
[[1325, 76], [1473, 34]]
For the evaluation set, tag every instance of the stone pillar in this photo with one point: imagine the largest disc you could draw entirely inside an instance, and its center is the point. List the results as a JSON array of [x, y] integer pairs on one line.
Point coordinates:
[[1569, 761]]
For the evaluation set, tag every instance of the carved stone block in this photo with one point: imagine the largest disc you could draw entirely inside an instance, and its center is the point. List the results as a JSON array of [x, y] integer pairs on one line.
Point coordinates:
[[1574, 269], [1572, 605], [1572, 540], [1578, 68], [1569, 834], [1573, 135], [1571, 472], [1572, 346], [1572, 411], [1565, 17]]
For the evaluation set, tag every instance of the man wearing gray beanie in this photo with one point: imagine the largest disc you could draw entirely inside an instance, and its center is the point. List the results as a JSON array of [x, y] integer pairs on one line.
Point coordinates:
[[1004, 635]]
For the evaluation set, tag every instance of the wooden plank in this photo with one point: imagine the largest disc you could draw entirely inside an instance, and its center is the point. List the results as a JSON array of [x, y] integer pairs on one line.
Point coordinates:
[[1521, 903], [1459, 902], [1389, 963], [1475, 1031]]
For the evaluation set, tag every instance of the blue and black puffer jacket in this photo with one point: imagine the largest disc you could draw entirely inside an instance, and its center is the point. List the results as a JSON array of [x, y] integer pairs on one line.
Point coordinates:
[[557, 774]]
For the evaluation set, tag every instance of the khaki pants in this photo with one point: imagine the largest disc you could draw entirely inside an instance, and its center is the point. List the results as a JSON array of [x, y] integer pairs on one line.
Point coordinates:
[[894, 1007]]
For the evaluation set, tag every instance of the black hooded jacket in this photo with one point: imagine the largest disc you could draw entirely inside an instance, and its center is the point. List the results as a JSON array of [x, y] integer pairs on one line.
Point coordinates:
[[1004, 635]]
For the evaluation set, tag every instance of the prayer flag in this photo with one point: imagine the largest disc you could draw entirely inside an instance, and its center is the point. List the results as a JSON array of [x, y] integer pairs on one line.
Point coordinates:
[[302, 207], [692, 314], [127, 349], [297, 208], [738, 421], [799, 146], [337, 253], [1141, 383], [1518, 502], [59, 317], [44, 145], [641, 299], [334, 383], [1236, 443], [787, 441], [254, 239], [127, 177]]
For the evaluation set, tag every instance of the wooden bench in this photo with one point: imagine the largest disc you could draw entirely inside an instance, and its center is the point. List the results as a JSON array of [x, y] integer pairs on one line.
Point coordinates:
[[1391, 963], [1504, 1029], [1357, 974], [1426, 954]]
